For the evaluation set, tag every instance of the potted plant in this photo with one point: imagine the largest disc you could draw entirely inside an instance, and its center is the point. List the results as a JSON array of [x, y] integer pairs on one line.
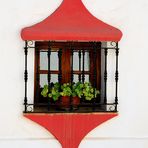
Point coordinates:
[[89, 92], [76, 90], [77, 93], [65, 93], [53, 92]]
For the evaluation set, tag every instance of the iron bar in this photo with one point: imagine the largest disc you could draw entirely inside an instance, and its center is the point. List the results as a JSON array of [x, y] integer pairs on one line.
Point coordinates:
[[83, 66], [79, 54], [94, 64], [37, 73], [71, 65], [71, 99], [38, 65], [116, 77], [94, 72], [105, 76], [76, 50], [49, 74], [60, 66], [99, 44], [84, 103], [76, 72], [82, 108], [75, 111], [25, 75]]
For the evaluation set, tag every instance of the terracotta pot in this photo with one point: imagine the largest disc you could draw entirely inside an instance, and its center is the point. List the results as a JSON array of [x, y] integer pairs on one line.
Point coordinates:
[[75, 102], [65, 102]]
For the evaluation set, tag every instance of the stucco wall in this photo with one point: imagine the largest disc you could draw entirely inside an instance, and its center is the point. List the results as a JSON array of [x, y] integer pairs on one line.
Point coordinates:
[[130, 128]]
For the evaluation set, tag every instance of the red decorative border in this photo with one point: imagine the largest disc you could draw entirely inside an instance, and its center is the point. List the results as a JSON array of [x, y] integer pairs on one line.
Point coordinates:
[[70, 129]]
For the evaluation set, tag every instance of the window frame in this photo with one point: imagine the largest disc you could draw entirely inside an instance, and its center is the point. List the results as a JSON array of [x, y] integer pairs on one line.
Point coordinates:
[[94, 78]]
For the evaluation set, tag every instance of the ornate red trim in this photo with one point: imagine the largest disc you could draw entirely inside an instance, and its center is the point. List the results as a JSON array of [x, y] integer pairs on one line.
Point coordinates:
[[70, 129]]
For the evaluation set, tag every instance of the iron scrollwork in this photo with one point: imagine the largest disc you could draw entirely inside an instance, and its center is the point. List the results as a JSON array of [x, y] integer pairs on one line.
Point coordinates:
[[113, 44], [112, 107], [29, 108], [30, 44]]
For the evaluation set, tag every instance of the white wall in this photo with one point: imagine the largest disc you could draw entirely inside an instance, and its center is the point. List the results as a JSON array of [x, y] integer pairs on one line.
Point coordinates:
[[130, 128]]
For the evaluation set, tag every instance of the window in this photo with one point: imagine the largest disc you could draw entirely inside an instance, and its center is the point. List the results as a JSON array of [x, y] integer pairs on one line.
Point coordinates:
[[73, 63], [66, 63]]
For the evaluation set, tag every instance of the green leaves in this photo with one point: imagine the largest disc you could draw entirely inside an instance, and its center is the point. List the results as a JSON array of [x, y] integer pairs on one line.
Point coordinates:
[[76, 89], [45, 91], [89, 92], [52, 93], [55, 94], [66, 89]]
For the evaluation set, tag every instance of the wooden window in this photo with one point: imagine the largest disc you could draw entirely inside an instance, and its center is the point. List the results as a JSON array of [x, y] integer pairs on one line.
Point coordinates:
[[83, 57]]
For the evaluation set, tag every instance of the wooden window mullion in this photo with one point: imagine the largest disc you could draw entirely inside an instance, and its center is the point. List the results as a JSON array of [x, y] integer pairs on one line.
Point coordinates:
[[66, 68]]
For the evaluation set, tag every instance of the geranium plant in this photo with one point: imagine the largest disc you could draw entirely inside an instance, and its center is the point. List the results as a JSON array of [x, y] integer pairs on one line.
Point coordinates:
[[66, 89], [89, 92], [53, 91], [77, 89]]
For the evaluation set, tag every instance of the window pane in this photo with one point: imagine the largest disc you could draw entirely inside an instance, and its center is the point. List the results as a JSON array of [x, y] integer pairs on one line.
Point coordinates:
[[54, 78], [86, 63], [75, 78], [76, 61], [54, 61], [44, 61], [44, 79], [86, 78]]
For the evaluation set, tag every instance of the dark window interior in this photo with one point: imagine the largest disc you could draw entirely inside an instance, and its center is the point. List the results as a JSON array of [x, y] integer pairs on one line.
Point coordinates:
[[66, 62]]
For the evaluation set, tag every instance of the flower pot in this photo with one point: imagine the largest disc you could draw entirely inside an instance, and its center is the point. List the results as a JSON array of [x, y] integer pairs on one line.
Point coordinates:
[[75, 102], [65, 102]]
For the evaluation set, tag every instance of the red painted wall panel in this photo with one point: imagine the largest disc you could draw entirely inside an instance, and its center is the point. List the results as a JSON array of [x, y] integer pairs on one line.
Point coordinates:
[[70, 129]]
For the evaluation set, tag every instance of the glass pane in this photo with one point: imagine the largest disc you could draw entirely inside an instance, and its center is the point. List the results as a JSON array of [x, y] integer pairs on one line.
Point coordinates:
[[54, 78], [44, 79], [86, 59], [86, 78], [76, 61], [54, 61], [44, 61], [75, 78]]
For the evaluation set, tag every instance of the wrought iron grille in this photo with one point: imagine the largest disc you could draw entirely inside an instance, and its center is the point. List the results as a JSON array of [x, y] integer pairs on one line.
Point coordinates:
[[100, 102]]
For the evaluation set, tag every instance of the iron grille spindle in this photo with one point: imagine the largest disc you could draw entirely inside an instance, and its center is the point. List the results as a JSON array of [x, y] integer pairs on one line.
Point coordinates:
[[99, 45], [116, 77], [60, 70], [94, 74], [25, 75], [105, 76], [72, 65], [71, 50], [83, 68], [79, 54], [37, 73], [49, 74]]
